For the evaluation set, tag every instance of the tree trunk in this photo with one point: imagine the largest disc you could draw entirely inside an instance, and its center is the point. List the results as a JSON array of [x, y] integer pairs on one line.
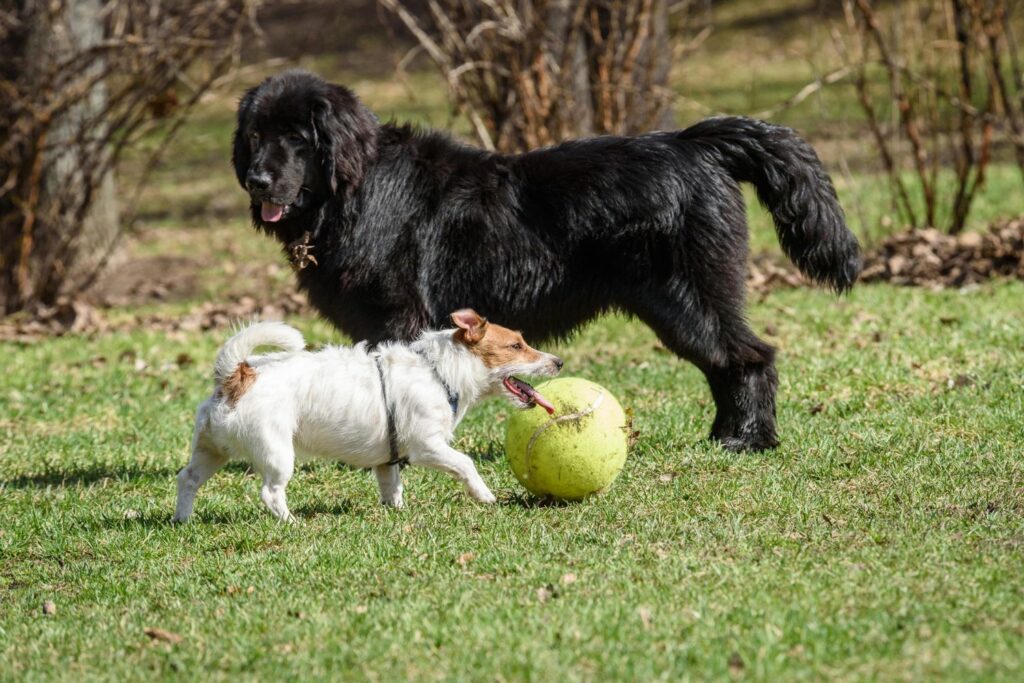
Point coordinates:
[[57, 224], [570, 48], [627, 67]]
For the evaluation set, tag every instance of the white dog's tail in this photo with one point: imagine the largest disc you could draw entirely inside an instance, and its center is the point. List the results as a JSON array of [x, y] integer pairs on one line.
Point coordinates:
[[239, 347]]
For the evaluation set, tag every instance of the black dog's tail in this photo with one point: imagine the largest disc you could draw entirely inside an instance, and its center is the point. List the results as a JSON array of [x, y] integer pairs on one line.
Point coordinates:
[[793, 186]]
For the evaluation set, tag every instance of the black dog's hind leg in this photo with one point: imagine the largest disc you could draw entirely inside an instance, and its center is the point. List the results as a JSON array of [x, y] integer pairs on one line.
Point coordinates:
[[739, 367], [744, 393]]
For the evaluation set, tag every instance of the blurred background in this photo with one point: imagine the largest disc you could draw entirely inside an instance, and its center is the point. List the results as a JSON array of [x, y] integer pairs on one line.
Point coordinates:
[[116, 188]]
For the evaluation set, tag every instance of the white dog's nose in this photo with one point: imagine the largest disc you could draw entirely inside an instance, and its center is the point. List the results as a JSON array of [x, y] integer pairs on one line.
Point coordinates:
[[556, 362]]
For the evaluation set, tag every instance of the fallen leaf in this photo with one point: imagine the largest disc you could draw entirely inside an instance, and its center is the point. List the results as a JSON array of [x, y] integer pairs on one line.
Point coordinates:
[[162, 635], [568, 579], [49, 608], [545, 593], [360, 609], [645, 617], [465, 558], [736, 665], [961, 381]]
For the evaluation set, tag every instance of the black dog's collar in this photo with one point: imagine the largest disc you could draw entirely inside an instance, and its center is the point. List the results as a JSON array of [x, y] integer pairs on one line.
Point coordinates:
[[453, 402]]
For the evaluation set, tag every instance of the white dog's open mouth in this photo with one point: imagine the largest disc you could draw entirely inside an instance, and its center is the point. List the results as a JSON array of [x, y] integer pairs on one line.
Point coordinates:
[[526, 395]]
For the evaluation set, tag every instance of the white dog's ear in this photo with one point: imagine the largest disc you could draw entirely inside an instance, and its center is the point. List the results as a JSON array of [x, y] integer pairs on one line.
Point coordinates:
[[471, 325]]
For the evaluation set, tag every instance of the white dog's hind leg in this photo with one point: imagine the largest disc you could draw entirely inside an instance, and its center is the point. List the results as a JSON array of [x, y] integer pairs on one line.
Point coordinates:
[[389, 480], [276, 475], [441, 456], [204, 464]]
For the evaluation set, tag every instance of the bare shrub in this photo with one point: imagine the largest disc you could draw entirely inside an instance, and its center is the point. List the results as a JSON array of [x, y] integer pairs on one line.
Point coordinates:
[[939, 83], [529, 73], [82, 81]]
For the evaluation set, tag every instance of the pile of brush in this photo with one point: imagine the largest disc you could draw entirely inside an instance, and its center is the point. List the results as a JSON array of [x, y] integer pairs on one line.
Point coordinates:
[[929, 258]]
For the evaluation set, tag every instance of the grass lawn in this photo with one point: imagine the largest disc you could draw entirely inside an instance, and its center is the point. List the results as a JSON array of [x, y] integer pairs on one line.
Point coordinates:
[[884, 539]]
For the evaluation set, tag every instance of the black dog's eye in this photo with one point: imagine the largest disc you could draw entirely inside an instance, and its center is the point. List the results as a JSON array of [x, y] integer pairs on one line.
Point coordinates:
[[254, 136], [296, 138]]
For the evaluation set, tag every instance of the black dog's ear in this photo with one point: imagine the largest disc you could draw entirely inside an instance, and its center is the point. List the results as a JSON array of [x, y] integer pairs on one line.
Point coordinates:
[[241, 156], [346, 133]]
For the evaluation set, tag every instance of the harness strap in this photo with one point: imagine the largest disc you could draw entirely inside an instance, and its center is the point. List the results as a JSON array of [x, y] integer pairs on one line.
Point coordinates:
[[392, 429], [453, 396], [453, 402]]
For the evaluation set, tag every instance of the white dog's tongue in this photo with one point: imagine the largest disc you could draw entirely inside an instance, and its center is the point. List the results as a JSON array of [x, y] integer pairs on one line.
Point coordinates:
[[528, 393], [271, 212], [542, 402]]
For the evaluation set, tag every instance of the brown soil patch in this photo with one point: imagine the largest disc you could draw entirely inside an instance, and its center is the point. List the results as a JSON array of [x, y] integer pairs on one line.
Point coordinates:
[[77, 316], [147, 280], [921, 258]]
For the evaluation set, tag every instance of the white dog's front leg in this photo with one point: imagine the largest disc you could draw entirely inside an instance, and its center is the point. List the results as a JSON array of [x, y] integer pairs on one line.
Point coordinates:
[[389, 480], [443, 457]]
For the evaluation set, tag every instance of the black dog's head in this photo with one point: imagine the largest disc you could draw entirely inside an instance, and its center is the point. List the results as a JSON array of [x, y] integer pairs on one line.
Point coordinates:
[[300, 139]]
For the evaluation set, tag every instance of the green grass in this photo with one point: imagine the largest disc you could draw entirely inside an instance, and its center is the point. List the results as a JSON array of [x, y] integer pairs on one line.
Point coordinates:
[[884, 539]]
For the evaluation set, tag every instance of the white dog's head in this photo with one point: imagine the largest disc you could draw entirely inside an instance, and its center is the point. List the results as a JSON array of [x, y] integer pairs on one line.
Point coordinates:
[[505, 354]]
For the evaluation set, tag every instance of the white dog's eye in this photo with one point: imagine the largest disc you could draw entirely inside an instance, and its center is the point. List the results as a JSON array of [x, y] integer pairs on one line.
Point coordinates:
[[516, 346]]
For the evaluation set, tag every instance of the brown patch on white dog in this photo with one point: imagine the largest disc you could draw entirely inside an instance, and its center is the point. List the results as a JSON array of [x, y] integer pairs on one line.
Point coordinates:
[[238, 382], [495, 345]]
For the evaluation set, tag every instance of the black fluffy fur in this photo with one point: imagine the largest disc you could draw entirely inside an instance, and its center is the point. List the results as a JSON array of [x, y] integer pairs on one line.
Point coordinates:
[[408, 225]]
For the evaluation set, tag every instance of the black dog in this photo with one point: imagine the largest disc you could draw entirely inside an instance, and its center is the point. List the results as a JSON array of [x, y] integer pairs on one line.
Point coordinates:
[[402, 226]]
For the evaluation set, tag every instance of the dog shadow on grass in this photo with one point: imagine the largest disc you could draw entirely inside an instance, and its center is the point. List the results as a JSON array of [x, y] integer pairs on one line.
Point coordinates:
[[491, 452], [87, 476], [528, 501], [161, 519]]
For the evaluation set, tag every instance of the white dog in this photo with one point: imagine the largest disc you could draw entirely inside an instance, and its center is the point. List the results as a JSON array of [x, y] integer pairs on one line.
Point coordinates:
[[399, 403]]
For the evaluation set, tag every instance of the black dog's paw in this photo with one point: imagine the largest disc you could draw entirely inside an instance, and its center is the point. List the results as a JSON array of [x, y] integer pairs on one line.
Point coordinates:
[[747, 444]]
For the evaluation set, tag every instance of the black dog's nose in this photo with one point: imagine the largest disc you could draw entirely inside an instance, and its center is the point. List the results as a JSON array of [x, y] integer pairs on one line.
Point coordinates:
[[558, 363], [257, 180]]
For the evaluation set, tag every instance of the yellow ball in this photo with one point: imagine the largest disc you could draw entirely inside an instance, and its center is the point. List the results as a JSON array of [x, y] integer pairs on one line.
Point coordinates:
[[576, 451]]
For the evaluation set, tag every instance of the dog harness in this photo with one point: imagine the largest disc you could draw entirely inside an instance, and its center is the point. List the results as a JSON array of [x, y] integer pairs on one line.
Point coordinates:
[[453, 402]]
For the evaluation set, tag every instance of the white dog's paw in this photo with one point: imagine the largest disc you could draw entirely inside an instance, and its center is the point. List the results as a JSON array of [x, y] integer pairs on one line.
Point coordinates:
[[483, 495], [395, 502]]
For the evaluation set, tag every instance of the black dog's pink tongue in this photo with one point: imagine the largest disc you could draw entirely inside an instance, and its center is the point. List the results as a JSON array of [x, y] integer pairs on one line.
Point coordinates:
[[270, 212]]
